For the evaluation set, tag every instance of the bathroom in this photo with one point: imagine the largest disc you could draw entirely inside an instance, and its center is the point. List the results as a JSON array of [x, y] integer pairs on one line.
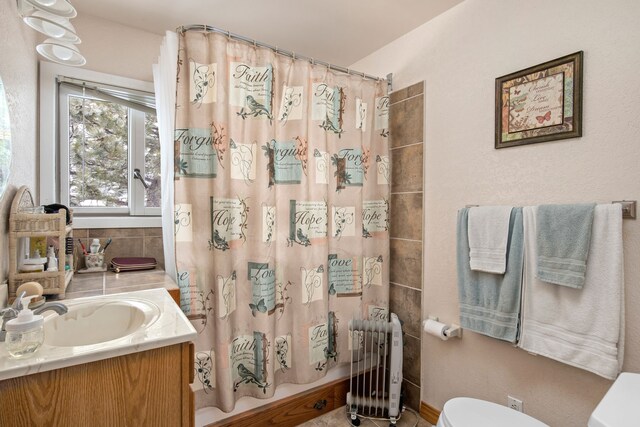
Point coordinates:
[[444, 71]]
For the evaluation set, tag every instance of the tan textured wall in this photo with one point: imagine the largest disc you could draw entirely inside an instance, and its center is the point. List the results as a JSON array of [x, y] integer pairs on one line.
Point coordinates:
[[406, 115], [19, 72], [117, 49], [459, 54]]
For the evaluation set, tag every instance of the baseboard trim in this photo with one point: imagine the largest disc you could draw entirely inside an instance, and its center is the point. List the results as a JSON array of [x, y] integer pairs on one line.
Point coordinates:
[[429, 413], [293, 410]]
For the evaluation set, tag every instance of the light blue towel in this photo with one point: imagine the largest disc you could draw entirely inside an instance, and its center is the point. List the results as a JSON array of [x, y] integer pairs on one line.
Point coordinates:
[[563, 239], [490, 303]]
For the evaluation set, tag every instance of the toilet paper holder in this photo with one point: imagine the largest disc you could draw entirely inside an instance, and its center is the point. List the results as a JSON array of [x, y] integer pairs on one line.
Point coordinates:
[[452, 331]]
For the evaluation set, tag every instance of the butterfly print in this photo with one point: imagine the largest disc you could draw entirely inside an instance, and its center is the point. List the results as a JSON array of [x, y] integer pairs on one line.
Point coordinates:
[[261, 307], [546, 117]]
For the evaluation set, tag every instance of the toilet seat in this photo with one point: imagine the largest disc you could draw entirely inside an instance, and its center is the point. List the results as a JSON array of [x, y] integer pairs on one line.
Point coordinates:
[[468, 412]]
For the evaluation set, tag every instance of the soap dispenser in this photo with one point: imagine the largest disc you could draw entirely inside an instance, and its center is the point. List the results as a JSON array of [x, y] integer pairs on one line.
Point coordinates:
[[25, 333]]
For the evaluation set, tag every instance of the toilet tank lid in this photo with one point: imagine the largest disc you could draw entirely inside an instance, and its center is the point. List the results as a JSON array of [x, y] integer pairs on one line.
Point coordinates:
[[620, 406], [469, 412]]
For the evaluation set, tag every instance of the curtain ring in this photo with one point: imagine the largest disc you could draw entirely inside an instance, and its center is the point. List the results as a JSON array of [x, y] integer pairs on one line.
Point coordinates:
[[228, 35], [293, 55]]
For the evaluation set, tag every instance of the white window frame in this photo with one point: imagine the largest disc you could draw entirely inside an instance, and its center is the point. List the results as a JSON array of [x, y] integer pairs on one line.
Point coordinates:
[[52, 152]]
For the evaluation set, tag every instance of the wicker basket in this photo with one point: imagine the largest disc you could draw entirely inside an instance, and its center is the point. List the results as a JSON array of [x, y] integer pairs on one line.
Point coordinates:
[[51, 282], [23, 222]]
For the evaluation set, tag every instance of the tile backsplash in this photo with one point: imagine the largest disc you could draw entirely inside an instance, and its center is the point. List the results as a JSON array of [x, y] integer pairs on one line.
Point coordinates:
[[126, 242]]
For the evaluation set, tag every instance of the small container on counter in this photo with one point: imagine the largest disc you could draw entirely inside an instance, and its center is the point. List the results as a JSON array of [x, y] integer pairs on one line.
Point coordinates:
[[25, 333], [94, 260]]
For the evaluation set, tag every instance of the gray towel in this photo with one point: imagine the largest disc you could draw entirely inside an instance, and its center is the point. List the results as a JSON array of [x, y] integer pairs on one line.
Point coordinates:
[[490, 303], [563, 238]]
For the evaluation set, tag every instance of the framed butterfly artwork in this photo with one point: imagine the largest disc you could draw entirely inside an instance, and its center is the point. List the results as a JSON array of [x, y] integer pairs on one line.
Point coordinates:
[[541, 103]]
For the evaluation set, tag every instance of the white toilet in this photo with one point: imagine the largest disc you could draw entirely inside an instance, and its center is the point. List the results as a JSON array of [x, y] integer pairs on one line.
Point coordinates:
[[618, 408]]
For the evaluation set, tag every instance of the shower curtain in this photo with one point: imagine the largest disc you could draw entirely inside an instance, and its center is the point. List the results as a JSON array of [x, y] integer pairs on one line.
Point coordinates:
[[281, 213]]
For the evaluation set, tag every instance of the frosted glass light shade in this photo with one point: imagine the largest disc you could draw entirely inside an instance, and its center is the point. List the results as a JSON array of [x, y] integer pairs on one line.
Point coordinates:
[[52, 26], [60, 8], [61, 52]]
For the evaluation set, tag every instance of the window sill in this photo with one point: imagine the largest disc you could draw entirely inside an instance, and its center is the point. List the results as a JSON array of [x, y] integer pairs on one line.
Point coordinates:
[[117, 222]]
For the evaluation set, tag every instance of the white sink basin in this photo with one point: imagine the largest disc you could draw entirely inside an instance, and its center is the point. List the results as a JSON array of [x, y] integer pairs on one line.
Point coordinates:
[[101, 327], [95, 322]]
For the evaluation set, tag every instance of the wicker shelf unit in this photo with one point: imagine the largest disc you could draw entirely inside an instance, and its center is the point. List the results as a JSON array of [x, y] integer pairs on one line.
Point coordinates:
[[23, 223]]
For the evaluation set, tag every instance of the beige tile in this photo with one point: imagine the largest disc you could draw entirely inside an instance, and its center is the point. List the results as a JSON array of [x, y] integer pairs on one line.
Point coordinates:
[[406, 122], [412, 395], [407, 168], [406, 216], [398, 95], [126, 279], [73, 295], [85, 282], [80, 233], [406, 303], [338, 418], [153, 248], [124, 247], [408, 418], [407, 92], [131, 288], [309, 423], [152, 232], [406, 262], [411, 359], [415, 89], [115, 232]]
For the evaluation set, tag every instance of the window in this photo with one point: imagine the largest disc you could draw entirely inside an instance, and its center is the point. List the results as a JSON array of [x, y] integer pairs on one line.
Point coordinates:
[[100, 142], [107, 149]]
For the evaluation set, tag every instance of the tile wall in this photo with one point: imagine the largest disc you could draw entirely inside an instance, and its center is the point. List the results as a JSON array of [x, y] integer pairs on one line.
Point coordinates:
[[126, 242], [406, 126]]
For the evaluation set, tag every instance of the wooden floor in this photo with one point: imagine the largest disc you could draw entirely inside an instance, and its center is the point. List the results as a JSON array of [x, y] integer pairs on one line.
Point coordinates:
[[338, 418]]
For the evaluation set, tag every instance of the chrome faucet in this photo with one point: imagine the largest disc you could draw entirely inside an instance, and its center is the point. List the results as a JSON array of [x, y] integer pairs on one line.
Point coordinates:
[[12, 312], [58, 307]]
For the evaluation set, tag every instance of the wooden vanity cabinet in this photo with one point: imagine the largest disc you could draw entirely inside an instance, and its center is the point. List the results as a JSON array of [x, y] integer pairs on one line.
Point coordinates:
[[149, 388]]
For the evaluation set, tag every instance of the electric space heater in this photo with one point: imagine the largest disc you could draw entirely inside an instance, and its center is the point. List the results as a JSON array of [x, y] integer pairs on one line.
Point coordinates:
[[376, 370]]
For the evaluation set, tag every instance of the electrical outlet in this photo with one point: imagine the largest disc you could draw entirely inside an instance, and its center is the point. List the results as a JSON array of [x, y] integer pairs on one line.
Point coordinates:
[[514, 403]]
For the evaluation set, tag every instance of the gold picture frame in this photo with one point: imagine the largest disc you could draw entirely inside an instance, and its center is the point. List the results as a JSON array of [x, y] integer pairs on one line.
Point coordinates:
[[541, 103]]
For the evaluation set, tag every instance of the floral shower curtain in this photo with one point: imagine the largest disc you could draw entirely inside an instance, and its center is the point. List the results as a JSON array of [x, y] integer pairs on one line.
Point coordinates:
[[281, 213]]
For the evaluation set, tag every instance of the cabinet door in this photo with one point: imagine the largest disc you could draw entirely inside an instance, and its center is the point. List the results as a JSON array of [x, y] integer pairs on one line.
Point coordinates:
[[140, 389]]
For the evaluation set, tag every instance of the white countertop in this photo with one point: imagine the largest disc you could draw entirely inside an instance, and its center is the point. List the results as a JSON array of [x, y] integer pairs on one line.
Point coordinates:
[[171, 327]]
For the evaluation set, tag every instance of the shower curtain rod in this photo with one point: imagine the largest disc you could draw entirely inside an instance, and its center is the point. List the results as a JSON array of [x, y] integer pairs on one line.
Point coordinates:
[[209, 28]]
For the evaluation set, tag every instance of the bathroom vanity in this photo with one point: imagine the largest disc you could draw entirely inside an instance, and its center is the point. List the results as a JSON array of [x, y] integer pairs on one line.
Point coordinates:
[[112, 360]]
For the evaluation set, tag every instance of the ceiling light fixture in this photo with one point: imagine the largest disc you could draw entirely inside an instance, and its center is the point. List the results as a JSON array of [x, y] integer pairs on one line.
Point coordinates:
[[52, 26], [51, 17], [61, 52], [60, 8]]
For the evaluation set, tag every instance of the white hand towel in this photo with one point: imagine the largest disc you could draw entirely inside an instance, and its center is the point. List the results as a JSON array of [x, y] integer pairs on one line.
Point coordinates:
[[580, 327], [488, 235]]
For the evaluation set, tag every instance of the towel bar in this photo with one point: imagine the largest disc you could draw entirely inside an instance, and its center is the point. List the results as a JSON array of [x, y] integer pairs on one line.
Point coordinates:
[[628, 208]]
